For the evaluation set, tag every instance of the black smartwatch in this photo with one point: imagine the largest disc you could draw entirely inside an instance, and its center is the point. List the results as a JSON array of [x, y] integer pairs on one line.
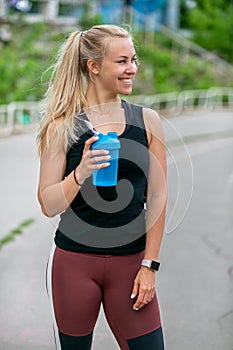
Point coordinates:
[[151, 264]]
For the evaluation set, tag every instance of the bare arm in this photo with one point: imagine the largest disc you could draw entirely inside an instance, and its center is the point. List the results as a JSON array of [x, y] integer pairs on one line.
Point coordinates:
[[55, 193], [144, 284], [157, 188]]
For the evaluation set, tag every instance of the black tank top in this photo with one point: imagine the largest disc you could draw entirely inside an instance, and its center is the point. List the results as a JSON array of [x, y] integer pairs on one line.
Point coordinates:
[[109, 220]]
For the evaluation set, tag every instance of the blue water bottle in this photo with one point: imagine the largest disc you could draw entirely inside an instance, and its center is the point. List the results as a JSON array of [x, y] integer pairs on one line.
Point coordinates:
[[107, 176]]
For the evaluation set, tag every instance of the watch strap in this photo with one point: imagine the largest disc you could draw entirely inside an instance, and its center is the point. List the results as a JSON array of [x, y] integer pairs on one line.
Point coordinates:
[[151, 264]]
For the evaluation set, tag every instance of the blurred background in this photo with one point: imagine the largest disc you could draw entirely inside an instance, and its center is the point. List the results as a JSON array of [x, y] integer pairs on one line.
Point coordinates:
[[185, 49], [182, 44]]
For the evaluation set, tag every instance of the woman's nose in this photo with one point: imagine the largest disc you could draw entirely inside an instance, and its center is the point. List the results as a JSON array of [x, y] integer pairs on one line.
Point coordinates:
[[132, 68]]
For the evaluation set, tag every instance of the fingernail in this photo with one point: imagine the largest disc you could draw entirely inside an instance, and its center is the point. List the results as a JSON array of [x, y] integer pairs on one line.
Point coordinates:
[[107, 164], [136, 308], [132, 296]]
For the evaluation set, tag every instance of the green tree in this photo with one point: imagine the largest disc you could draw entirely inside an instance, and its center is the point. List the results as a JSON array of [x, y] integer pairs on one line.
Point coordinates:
[[212, 25]]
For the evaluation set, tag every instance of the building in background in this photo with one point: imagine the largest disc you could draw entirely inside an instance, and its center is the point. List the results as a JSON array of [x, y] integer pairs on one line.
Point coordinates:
[[143, 14]]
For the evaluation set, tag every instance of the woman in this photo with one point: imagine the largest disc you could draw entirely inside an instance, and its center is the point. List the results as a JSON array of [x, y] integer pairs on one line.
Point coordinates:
[[106, 244]]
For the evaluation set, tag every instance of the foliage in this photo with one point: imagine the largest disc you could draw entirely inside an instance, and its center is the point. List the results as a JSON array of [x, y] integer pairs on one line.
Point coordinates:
[[212, 23], [23, 60], [87, 20], [31, 52], [165, 70]]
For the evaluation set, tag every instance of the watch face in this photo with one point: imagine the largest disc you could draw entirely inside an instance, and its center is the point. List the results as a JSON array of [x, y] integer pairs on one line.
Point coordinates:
[[155, 265]]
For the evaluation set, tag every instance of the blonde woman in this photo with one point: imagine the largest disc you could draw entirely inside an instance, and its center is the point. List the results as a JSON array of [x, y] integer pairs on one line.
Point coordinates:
[[107, 242]]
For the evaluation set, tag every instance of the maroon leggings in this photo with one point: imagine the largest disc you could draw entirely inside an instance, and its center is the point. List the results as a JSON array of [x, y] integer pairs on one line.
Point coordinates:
[[81, 282]]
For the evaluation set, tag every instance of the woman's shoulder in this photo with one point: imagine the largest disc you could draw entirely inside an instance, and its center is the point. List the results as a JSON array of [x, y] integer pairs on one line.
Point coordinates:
[[153, 122], [148, 113], [151, 115]]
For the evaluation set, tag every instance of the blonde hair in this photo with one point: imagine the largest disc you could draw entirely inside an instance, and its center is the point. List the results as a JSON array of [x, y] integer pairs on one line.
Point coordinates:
[[66, 93]]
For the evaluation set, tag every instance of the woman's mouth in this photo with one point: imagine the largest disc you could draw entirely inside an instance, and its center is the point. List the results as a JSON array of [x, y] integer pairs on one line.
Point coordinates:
[[127, 81]]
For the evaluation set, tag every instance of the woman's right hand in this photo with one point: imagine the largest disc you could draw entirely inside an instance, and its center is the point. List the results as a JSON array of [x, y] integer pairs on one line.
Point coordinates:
[[90, 160]]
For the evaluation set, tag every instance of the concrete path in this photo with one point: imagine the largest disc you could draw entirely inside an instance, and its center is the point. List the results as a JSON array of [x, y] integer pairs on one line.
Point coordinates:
[[196, 278]]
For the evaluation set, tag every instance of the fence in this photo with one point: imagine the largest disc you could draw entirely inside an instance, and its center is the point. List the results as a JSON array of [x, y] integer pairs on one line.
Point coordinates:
[[174, 104], [20, 117], [192, 48]]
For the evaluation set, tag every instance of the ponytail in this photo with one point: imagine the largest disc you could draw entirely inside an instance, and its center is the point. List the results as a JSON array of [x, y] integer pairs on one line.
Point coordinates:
[[66, 87], [65, 95]]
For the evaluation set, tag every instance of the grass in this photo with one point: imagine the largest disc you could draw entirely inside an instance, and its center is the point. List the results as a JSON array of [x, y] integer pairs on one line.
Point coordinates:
[[9, 237]]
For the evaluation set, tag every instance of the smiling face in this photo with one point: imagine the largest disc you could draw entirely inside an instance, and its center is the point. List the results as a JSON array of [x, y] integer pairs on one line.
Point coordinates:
[[114, 75], [119, 65]]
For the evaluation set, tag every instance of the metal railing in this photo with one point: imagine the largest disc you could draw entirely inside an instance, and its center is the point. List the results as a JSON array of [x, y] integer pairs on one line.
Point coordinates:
[[17, 117], [20, 117], [174, 104], [192, 47]]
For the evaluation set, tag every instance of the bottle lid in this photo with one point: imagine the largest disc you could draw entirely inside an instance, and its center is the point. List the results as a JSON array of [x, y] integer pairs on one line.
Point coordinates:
[[113, 134], [108, 141]]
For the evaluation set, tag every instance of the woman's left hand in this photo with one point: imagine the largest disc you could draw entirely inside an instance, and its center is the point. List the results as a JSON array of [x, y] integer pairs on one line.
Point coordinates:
[[143, 288]]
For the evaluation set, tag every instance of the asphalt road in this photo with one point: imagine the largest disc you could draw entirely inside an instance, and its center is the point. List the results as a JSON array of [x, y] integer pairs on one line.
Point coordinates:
[[196, 278]]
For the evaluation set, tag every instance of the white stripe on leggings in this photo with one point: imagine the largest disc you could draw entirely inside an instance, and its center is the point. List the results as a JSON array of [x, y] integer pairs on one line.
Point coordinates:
[[50, 294]]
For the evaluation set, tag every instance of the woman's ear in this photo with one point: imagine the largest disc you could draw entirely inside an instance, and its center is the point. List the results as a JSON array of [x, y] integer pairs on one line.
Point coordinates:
[[93, 67]]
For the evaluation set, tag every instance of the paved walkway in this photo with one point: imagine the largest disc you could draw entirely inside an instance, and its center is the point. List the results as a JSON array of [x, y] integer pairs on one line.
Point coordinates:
[[195, 283]]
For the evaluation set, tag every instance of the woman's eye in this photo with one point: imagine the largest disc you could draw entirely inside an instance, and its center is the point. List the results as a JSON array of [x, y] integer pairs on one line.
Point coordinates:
[[133, 60]]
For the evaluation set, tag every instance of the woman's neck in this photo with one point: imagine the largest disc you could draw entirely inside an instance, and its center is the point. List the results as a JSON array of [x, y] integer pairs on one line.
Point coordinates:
[[95, 97]]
